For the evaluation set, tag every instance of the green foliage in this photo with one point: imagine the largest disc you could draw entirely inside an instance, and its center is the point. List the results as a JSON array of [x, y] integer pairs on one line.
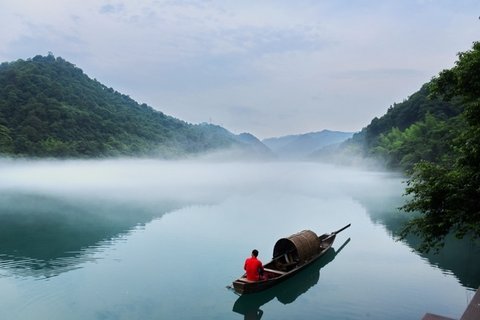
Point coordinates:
[[434, 137], [403, 115], [434, 191], [429, 140], [5, 140], [463, 79], [50, 108], [447, 191]]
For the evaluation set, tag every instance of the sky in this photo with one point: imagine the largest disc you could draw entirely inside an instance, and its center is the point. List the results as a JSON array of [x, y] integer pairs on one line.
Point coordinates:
[[271, 68]]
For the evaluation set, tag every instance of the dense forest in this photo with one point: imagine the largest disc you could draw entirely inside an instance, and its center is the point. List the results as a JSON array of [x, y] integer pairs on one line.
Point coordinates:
[[410, 131], [434, 138], [50, 108]]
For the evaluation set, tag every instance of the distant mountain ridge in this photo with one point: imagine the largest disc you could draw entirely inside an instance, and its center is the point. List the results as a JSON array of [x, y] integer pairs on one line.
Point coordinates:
[[50, 108], [301, 146]]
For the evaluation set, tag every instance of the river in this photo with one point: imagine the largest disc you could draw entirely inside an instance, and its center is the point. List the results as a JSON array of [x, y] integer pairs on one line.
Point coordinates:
[[151, 239]]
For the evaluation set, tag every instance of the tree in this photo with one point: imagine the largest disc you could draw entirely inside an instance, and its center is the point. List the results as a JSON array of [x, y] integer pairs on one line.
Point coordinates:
[[446, 193], [5, 140], [430, 140]]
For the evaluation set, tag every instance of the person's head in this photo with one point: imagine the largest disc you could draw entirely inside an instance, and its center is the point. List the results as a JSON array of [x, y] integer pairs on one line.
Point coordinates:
[[255, 252]]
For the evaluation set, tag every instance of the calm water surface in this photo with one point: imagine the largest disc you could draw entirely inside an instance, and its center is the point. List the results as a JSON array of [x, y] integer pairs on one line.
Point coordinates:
[[144, 239]]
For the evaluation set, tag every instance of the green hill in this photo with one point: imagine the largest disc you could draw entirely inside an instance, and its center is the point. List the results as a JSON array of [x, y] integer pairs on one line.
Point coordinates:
[[50, 108], [403, 117], [419, 128], [434, 137]]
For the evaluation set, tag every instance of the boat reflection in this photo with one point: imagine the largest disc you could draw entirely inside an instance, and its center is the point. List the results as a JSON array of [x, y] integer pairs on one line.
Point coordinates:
[[286, 292]]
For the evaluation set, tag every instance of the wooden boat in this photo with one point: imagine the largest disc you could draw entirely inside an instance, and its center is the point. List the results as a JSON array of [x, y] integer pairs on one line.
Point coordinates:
[[290, 255], [289, 290]]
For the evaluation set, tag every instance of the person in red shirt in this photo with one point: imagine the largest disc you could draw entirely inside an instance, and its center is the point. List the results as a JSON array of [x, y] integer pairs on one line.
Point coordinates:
[[254, 267]]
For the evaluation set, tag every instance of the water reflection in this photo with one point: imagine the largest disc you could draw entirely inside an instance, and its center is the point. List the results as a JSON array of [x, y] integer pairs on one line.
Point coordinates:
[[286, 292], [43, 236], [458, 257]]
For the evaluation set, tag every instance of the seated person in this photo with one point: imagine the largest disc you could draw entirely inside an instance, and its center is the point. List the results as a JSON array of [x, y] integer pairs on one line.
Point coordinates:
[[254, 267]]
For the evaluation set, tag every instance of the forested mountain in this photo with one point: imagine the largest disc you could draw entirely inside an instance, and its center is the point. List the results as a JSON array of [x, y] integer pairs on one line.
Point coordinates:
[[434, 137], [410, 131], [420, 120], [302, 145], [50, 108]]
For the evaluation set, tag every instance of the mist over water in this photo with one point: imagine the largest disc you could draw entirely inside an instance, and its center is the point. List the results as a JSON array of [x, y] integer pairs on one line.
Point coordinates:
[[141, 239], [151, 181]]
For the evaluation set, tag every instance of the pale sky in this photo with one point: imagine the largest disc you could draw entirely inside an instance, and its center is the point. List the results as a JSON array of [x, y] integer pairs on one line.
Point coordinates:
[[270, 68]]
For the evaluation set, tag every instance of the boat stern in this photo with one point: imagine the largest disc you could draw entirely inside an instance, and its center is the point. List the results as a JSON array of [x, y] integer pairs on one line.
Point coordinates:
[[239, 286]]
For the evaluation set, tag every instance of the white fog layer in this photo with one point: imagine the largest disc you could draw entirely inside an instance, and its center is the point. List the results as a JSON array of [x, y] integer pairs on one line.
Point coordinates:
[[201, 181]]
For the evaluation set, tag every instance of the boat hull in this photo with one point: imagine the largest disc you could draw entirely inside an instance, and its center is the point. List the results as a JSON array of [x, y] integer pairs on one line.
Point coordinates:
[[276, 276]]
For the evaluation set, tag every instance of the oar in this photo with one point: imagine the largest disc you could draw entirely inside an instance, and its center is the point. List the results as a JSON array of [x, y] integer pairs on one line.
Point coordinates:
[[340, 230], [334, 233]]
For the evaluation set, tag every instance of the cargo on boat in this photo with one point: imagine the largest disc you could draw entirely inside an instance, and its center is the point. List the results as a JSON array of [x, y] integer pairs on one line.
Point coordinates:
[[290, 255]]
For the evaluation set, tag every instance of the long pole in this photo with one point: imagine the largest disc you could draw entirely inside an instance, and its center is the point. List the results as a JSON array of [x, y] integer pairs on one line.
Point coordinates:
[[340, 230]]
